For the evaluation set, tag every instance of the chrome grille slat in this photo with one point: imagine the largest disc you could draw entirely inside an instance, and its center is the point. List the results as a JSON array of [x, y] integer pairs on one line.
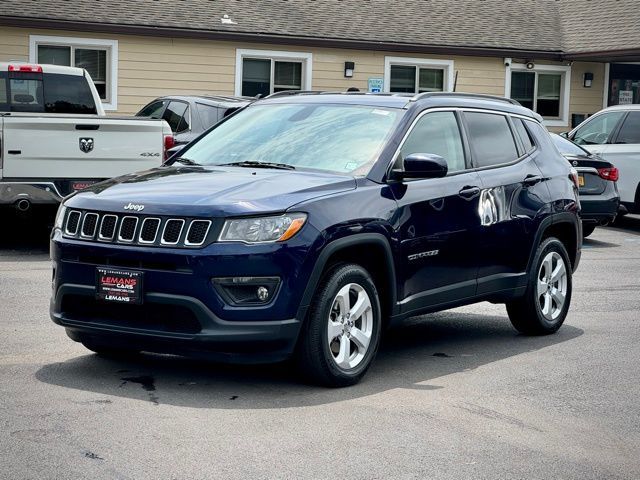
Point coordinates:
[[172, 231], [73, 222], [197, 233], [128, 226], [136, 229], [108, 227], [149, 230], [89, 225]]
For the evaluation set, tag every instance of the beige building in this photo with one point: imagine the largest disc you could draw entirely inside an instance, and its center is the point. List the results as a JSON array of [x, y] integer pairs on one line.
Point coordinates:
[[523, 49]]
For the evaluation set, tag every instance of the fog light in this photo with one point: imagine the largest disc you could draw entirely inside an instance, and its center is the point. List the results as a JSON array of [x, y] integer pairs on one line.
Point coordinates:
[[240, 291], [263, 294]]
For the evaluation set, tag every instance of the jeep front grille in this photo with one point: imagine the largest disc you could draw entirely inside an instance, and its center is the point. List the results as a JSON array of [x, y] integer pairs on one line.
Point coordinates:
[[138, 229]]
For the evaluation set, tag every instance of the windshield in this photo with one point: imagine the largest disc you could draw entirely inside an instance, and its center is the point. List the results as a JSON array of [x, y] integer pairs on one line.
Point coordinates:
[[567, 147], [335, 138]]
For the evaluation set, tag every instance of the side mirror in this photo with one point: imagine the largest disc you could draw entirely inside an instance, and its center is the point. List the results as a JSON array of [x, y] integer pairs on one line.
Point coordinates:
[[422, 165]]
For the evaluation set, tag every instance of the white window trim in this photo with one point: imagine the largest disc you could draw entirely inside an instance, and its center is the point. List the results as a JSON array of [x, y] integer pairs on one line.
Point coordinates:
[[446, 65], [565, 92], [304, 57], [112, 58]]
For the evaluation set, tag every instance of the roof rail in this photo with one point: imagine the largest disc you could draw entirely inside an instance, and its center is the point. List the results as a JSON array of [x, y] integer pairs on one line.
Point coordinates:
[[479, 96], [285, 93]]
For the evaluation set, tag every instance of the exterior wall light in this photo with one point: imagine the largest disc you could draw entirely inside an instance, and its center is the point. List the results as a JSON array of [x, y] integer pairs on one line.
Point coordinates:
[[588, 79], [349, 67], [531, 65]]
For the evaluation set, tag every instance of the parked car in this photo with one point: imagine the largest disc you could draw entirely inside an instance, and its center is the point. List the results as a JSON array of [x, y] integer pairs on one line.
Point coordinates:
[[614, 135], [191, 115], [597, 178], [303, 225], [56, 138]]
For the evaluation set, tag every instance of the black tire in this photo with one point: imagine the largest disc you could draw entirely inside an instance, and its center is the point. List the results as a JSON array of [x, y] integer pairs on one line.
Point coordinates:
[[314, 358], [588, 229], [108, 351], [526, 313]]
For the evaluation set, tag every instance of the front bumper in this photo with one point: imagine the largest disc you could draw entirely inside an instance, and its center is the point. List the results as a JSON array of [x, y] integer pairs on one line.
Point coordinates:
[[182, 313]]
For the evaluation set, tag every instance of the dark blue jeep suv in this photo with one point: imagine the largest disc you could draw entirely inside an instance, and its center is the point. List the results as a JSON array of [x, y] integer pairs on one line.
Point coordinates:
[[303, 225]]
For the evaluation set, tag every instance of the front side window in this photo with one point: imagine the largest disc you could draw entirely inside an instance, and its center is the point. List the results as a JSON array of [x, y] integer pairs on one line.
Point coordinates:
[[491, 140], [335, 138], [175, 114], [630, 130], [598, 130], [153, 110], [437, 133]]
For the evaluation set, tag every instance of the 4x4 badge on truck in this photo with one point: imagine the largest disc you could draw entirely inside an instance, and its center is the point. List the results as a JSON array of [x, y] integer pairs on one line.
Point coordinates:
[[86, 145]]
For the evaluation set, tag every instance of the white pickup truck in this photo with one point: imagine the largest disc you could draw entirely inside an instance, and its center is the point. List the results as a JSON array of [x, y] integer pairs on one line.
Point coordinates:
[[55, 137]]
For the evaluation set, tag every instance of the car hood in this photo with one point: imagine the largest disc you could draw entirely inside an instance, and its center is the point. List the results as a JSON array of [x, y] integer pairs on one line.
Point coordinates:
[[206, 191]]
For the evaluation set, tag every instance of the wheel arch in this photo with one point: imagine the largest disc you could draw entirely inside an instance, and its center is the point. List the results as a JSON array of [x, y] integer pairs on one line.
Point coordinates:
[[567, 228], [376, 258]]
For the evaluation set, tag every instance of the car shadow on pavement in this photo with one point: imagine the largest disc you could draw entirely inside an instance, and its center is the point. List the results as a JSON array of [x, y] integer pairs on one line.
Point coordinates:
[[627, 224], [411, 357]]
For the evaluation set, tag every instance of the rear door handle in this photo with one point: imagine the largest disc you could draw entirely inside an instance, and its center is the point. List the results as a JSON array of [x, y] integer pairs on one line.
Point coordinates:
[[469, 192], [532, 179]]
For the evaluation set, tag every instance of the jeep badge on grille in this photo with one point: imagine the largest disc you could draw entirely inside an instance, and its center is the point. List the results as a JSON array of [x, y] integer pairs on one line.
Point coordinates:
[[131, 206]]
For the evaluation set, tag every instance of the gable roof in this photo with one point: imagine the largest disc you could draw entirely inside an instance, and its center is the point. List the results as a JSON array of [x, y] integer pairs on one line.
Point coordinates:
[[544, 27]]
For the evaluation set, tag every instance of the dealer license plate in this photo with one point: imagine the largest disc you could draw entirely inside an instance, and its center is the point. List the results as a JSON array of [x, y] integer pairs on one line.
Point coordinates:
[[119, 286]]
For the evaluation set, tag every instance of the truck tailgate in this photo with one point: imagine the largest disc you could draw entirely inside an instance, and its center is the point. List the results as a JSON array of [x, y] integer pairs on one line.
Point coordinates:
[[80, 147]]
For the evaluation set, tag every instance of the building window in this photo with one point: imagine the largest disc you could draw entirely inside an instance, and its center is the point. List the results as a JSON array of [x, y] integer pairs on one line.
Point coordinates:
[[417, 75], [544, 90], [97, 57], [261, 72]]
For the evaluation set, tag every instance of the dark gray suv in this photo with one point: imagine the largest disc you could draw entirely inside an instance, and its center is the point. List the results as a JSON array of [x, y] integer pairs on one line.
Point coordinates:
[[189, 115]]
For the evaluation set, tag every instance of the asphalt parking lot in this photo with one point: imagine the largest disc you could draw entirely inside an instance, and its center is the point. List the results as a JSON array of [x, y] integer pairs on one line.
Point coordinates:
[[458, 394]]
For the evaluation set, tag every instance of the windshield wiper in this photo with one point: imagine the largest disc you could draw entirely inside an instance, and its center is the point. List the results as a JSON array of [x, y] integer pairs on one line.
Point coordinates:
[[254, 164], [185, 161]]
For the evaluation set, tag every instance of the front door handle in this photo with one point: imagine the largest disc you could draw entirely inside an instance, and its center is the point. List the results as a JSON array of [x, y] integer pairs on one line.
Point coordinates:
[[532, 179], [469, 192]]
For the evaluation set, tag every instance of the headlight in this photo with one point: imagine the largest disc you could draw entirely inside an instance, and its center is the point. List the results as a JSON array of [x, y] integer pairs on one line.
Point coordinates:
[[60, 216], [262, 229]]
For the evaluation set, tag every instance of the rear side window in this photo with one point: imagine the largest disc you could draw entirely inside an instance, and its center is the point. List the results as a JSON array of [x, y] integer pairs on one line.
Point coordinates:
[[525, 137], [630, 131], [491, 140], [208, 115], [48, 93], [437, 133]]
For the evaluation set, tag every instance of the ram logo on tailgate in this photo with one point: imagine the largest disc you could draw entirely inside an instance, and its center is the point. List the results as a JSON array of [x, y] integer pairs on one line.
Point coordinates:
[[86, 144]]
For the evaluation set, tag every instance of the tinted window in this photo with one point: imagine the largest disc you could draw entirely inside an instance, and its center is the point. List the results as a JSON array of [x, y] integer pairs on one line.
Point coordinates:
[[208, 115], [153, 110], [597, 131], [185, 122], [630, 131], [173, 114], [491, 140], [50, 93], [567, 146], [524, 135], [437, 133]]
